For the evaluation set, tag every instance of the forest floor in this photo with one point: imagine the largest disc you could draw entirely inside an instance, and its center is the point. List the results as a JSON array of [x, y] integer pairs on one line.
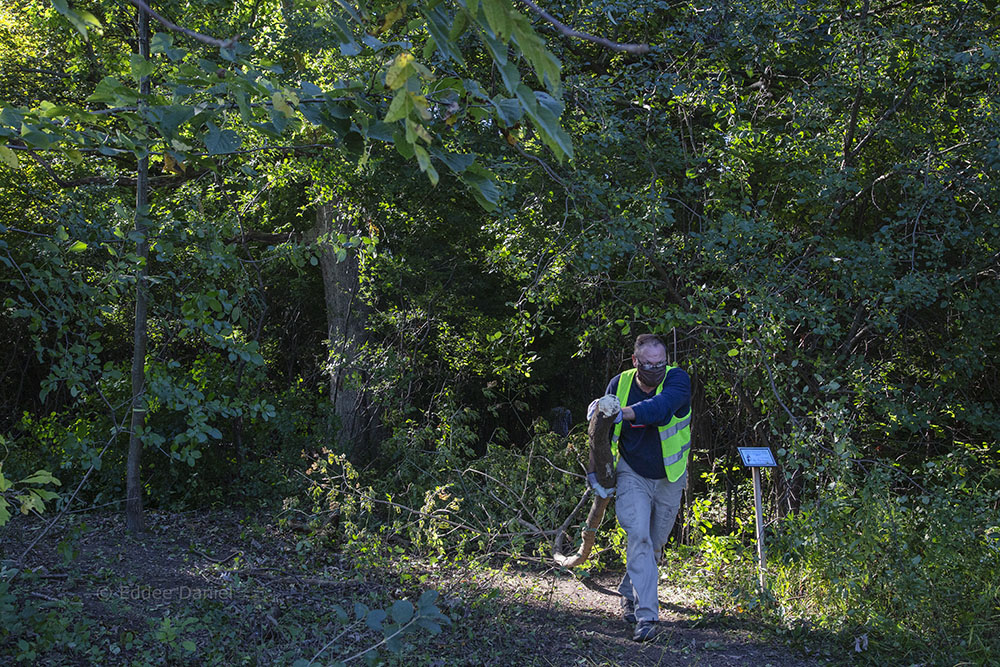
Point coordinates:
[[221, 588]]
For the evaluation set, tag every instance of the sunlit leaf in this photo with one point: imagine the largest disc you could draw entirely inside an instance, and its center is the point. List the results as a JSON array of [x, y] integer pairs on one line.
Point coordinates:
[[498, 15], [400, 70], [82, 20], [400, 106], [9, 157]]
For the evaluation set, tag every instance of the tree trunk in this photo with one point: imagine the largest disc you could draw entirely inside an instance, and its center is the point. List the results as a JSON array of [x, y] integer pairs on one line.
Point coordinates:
[[346, 318], [134, 522]]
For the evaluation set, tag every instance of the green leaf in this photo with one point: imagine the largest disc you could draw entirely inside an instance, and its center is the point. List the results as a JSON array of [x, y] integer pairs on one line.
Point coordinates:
[[9, 157], [533, 47], [279, 103], [400, 70], [350, 49], [381, 131], [402, 611], [403, 147], [162, 42], [4, 512], [400, 107], [457, 162], [459, 26], [733, 352], [427, 599], [219, 142], [375, 618], [241, 102], [509, 110], [498, 16], [544, 111], [10, 118], [82, 20], [511, 76], [429, 46], [31, 501], [432, 175], [439, 25], [40, 477], [78, 246], [111, 91], [328, 114], [169, 118], [423, 158], [35, 137], [140, 66], [481, 185], [49, 110], [429, 625]]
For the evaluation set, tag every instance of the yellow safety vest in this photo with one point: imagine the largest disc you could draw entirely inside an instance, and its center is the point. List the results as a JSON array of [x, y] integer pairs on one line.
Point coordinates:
[[675, 437]]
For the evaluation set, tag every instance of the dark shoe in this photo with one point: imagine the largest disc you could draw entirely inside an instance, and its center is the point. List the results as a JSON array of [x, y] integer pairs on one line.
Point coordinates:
[[645, 631], [628, 609]]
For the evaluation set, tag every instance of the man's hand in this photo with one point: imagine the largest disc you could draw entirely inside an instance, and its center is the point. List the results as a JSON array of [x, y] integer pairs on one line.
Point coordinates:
[[628, 414], [598, 489], [593, 407]]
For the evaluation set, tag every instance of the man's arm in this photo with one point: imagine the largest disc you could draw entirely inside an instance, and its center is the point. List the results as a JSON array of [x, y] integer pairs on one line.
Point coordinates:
[[658, 410]]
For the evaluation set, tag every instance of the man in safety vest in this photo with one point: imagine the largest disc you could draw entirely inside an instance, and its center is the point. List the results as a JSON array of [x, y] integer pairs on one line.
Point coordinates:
[[651, 444]]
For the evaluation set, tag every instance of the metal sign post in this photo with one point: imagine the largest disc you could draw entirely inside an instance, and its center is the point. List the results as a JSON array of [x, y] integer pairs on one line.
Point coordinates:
[[756, 458]]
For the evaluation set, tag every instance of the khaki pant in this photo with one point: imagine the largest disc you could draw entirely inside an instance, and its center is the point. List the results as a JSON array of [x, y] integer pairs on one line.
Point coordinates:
[[646, 509]]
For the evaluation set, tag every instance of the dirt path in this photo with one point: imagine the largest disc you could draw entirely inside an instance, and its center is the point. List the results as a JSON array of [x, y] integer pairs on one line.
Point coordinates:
[[571, 622], [219, 589]]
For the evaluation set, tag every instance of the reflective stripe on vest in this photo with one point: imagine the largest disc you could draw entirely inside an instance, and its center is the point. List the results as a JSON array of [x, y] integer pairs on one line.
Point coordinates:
[[675, 436]]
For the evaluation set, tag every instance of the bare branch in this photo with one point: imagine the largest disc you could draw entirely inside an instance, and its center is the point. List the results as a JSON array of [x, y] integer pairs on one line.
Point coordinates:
[[858, 195], [774, 389], [120, 181], [570, 32], [204, 39], [68, 502], [549, 170], [260, 237]]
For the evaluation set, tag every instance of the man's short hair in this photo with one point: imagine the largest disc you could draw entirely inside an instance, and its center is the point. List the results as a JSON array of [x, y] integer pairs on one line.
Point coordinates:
[[644, 340]]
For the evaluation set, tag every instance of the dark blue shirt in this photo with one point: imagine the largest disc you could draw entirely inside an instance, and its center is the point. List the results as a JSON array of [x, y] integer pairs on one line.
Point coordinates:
[[639, 443]]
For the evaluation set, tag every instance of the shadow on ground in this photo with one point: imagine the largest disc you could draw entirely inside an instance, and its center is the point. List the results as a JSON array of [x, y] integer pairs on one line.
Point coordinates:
[[222, 589]]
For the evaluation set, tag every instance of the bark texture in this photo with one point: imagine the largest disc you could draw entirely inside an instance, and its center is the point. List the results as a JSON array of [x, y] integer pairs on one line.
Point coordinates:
[[346, 319], [134, 521]]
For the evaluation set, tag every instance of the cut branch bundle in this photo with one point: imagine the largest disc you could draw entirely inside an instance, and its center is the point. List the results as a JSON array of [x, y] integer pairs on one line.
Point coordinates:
[[603, 466]]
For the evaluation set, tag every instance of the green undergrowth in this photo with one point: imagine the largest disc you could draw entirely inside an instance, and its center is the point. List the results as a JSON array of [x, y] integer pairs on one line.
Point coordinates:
[[410, 564], [306, 606], [875, 574], [289, 596], [884, 564]]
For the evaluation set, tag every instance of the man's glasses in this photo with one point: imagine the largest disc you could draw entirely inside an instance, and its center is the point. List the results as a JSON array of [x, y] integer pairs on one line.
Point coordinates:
[[653, 367]]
